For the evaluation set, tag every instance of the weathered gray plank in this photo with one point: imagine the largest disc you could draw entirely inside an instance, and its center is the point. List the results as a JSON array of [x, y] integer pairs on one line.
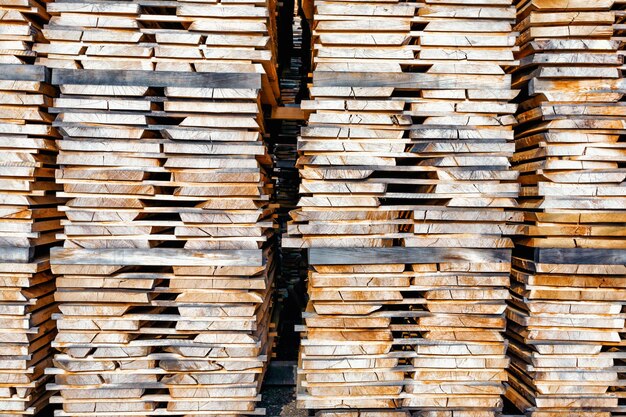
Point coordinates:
[[371, 256], [411, 80], [156, 79], [24, 72], [156, 257]]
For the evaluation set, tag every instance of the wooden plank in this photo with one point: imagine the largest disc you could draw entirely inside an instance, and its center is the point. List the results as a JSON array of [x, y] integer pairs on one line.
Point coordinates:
[[156, 79], [399, 255], [410, 80], [24, 72]]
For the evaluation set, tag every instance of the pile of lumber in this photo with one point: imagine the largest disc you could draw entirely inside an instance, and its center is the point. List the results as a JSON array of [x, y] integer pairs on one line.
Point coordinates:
[[163, 35], [568, 275], [21, 22], [167, 267], [28, 215], [619, 349], [405, 189]]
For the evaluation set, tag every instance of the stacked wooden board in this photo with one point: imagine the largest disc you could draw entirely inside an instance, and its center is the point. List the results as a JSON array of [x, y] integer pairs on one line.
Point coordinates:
[[167, 266], [405, 191], [166, 35], [29, 219], [568, 271], [619, 351], [21, 22]]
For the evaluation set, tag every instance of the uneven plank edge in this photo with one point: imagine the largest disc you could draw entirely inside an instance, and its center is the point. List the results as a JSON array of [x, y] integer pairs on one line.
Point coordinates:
[[16, 72], [156, 257], [156, 79], [373, 256], [579, 256], [410, 80]]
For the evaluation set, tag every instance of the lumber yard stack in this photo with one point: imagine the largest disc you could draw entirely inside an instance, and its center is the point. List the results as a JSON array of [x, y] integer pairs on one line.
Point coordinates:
[[406, 192], [568, 270], [29, 219], [619, 350], [166, 270], [163, 35], [167, 267]]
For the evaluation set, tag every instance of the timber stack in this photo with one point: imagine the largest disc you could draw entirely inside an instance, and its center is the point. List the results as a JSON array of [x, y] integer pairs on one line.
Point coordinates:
[[166, 272], [406, 190], [619, 351], [29, 219], [568, 275], [162, 35]]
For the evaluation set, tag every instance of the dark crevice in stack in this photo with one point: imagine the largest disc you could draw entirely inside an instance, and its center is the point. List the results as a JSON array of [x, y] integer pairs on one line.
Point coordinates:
[[283, 148]]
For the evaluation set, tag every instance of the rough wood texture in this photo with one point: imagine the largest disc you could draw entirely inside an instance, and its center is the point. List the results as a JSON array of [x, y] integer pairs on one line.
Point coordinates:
[[405, 198], [29, 218], [619, 34], [162, 35], [568, 274], [167, 265]]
